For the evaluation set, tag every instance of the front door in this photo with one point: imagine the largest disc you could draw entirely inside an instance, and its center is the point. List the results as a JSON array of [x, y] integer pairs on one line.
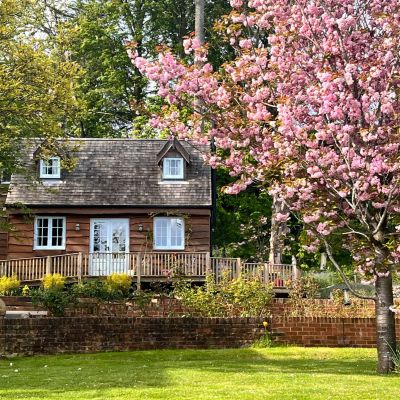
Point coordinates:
[[109, 246]]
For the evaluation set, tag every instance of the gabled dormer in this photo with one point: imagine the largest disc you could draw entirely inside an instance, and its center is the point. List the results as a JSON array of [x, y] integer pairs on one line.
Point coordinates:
[[173, 160], [48, 159]]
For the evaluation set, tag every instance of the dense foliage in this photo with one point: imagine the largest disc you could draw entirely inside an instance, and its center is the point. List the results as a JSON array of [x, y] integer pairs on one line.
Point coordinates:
[[244, 297], [37, 83], [9, 285]]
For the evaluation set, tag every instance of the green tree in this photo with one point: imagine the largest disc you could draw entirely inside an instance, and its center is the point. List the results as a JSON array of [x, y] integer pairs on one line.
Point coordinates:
[[116, 97], [243, 222], [37, 84]]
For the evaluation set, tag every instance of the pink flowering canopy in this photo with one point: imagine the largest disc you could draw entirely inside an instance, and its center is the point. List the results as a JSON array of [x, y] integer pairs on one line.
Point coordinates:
[[309, 107]]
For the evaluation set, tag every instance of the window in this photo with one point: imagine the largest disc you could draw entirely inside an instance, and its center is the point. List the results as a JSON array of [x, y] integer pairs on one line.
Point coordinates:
[[49, 233], [169, 233], [50, 168], [173, 168]]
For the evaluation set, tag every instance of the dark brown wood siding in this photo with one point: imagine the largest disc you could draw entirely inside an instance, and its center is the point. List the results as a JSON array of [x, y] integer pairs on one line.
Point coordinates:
[[197, 230]]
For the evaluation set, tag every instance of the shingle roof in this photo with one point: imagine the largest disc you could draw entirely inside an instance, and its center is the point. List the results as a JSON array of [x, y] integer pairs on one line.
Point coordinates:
[[117, 172]]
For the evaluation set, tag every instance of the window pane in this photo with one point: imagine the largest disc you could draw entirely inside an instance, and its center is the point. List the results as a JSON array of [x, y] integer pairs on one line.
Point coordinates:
[[49, 232], [50, 167], [173, 168], [169, 233]]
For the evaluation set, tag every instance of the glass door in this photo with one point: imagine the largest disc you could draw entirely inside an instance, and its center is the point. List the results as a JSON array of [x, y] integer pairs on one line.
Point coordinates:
[[109, 246]]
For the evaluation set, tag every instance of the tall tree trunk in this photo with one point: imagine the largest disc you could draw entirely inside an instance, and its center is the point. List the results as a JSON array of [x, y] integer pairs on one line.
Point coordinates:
[[278, 232], [385, 324], [199, 20]]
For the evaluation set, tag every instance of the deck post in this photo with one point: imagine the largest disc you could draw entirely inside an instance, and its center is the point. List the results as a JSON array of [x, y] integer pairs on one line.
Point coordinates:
[[296, 271], [208, 263], [238, 267], [48, 265], [266, 274], [79, 266], [139, 271]]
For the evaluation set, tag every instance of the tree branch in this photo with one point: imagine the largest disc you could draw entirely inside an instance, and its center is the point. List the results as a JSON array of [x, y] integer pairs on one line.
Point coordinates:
[[342, 274]]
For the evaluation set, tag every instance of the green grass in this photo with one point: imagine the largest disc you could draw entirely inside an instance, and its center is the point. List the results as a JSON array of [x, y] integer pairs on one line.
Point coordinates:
[[276, 373]]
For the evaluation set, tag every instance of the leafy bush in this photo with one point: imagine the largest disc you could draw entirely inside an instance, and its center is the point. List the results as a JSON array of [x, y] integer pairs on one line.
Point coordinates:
[[143, 299], [9, 285], [53, 281], [115, 287], [54, 300], [244, 296], [25, 291], [119, 284], [305, 287], [94, 288], [52, 295]]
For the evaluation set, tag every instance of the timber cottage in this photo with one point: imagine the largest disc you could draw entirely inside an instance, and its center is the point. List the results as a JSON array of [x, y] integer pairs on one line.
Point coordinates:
[[124, 197]]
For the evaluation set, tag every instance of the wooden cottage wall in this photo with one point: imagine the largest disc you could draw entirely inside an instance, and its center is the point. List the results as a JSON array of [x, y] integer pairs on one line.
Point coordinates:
[[20, 244]]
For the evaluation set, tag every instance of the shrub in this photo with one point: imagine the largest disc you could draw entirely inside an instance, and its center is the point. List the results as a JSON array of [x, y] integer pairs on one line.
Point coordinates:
[[94, 289], [9, 285], [244, 296], [53, 281], [115, 287], [119, 284], [54, 300], [25, 291]]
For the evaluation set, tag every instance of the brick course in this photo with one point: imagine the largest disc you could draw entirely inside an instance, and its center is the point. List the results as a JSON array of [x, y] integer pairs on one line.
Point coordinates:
[[107, 327], [91, 334], [325, 331]]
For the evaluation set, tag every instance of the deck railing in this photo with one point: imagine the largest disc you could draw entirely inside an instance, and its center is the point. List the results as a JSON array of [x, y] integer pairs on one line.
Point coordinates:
[[146, 265]]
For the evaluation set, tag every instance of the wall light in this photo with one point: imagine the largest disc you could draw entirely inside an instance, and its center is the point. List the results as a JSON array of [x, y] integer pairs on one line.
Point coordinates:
[[140, 227], [77, 227]]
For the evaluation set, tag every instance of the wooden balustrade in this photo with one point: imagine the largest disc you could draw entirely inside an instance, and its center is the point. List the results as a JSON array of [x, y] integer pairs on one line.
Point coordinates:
[[150, 265]]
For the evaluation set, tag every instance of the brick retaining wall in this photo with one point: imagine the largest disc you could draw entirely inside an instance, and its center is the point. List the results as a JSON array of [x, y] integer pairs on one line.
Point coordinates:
[[120, 327], [327, 332], [91, 334]]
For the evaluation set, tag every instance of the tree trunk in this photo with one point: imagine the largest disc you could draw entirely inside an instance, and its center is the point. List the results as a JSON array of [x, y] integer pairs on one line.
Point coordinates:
[[385, 324], [278, 232], [199, 20]]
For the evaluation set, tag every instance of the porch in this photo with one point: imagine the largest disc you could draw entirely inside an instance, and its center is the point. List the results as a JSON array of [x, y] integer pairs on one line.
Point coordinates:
[[145, 267]]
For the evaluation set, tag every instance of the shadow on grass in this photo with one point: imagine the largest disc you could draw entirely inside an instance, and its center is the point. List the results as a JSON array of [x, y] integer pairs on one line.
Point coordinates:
[[47, 376]]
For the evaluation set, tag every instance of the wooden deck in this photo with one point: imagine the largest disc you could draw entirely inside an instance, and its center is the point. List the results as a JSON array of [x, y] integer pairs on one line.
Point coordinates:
[[145, 267]]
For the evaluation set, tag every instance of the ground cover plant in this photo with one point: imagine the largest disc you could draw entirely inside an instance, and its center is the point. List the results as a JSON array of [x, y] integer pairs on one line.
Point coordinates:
[[274, 373]]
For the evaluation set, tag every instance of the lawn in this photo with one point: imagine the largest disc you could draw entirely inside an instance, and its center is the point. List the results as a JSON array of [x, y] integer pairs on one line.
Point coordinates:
[[276, 373]]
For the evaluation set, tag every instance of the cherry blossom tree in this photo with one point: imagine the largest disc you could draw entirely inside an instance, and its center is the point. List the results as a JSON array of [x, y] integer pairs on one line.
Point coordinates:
[[310, 108]]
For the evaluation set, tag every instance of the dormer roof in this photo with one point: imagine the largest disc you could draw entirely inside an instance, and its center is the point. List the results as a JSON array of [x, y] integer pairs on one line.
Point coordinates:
[[173, 145]]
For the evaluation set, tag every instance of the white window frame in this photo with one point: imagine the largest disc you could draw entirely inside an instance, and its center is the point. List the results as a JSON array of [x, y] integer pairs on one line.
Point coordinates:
[[49, 233], [168, 246], [43, 165], [166, 174]]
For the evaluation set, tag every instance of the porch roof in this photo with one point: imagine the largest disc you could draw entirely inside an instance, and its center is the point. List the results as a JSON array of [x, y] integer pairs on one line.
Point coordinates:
[[115, 172]]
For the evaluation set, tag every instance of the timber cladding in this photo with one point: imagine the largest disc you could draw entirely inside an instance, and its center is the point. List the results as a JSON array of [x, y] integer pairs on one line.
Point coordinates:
[[20, 242]]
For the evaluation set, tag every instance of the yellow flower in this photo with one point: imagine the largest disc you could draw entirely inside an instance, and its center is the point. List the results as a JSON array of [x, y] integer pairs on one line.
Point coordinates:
[[265, 323]]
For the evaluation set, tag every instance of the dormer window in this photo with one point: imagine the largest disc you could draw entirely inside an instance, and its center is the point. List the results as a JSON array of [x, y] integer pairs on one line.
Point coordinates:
[[173, 168], [50, 168]]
